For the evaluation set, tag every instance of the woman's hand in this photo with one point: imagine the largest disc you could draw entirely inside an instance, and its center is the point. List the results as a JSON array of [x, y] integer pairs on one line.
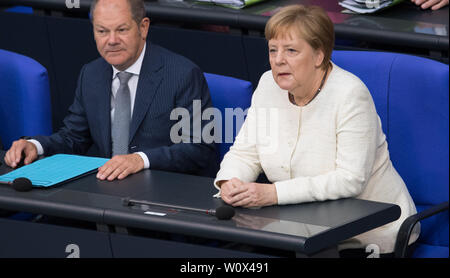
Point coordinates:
[[237, 193]]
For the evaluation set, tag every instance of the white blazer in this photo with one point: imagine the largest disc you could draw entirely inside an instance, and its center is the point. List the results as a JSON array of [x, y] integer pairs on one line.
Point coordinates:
[[332, 148]]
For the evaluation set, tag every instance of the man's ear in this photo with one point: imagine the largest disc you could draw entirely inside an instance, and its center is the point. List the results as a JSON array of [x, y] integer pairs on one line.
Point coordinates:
[[144, 26]]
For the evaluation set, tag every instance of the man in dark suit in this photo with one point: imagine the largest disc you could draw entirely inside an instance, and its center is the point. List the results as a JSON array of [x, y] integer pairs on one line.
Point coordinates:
[[153, 80]]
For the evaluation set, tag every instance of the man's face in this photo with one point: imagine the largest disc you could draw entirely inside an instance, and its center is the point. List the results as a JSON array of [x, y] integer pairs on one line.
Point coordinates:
[[119, 38]]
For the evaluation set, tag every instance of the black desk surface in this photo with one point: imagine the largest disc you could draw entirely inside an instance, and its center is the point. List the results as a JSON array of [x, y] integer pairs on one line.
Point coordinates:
[[402, 28], [305, 228], [403, 24], [405, 16]]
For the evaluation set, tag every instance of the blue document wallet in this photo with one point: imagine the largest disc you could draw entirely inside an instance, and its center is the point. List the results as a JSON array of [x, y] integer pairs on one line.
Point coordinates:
[[56, 169]]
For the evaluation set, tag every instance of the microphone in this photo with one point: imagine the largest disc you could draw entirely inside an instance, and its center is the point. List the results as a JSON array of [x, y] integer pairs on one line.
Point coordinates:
[[222, 212], [20, 184]]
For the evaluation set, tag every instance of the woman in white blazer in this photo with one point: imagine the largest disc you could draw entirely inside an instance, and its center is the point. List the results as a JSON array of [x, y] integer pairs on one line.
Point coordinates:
[[312, 128]]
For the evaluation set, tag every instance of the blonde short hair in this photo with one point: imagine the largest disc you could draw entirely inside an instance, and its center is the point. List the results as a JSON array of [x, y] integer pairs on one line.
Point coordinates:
[[311, 23]]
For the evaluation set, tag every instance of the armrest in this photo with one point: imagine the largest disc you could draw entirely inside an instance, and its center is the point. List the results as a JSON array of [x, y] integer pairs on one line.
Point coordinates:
[[401, 244]]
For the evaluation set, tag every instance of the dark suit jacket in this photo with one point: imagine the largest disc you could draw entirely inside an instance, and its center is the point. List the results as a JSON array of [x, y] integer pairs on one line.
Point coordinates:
[[166, 81]]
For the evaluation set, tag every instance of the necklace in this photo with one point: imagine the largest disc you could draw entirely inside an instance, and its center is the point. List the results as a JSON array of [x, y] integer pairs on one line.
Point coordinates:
[[291, 96]]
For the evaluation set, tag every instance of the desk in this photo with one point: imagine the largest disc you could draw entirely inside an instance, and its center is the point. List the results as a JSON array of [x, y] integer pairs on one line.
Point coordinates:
[[310, 229], [404, 24]]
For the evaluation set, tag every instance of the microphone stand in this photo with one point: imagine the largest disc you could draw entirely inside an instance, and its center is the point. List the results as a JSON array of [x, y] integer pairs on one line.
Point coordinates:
[[130, 202]]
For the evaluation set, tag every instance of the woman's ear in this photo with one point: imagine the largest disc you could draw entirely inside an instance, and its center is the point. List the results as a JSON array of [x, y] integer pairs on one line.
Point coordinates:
[[319, 58]]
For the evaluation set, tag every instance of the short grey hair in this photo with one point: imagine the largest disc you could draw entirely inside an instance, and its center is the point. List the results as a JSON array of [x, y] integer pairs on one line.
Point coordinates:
[[137, 9]]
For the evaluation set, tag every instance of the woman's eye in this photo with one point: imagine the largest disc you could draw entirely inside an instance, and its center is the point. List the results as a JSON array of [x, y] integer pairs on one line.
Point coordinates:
[[291, 52]]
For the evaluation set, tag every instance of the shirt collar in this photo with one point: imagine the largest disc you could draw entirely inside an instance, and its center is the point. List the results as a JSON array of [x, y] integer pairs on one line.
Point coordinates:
[[134, 68]]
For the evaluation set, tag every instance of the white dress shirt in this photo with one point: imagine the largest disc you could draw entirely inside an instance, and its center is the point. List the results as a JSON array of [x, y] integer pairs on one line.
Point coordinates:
[[135, 69]]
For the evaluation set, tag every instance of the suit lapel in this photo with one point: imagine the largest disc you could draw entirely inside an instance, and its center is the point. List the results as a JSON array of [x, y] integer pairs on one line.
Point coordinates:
[[150, 77], [103, 106]]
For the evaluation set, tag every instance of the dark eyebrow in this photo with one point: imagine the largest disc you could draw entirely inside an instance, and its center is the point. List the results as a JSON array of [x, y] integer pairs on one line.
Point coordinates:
[[99, 26], [122, 25]]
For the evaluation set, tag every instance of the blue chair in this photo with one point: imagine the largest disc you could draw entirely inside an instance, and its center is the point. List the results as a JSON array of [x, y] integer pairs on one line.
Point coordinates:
[[228, 92], [411, 95], [20, 9], [25, 107]]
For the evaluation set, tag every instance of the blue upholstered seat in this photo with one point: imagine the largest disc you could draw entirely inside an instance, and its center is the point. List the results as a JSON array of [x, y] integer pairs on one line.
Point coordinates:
[[20, 9], [411, 95], [24, 98], [228, 92]]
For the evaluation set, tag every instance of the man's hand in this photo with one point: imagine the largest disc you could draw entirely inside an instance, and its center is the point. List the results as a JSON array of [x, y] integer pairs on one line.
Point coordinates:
[[120, 166], [19, 147], [237, 193]]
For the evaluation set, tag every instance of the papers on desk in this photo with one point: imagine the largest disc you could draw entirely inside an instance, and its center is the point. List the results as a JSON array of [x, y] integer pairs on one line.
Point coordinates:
[[235, 4], [56, 169], [367, 6]]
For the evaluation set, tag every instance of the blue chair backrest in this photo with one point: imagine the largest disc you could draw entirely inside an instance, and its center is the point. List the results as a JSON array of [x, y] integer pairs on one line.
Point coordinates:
[[20, 9], [228, 94], [25, 107], [411, 95]]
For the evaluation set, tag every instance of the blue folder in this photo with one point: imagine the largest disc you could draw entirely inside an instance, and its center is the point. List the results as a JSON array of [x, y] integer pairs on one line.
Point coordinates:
[[56, 169]]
